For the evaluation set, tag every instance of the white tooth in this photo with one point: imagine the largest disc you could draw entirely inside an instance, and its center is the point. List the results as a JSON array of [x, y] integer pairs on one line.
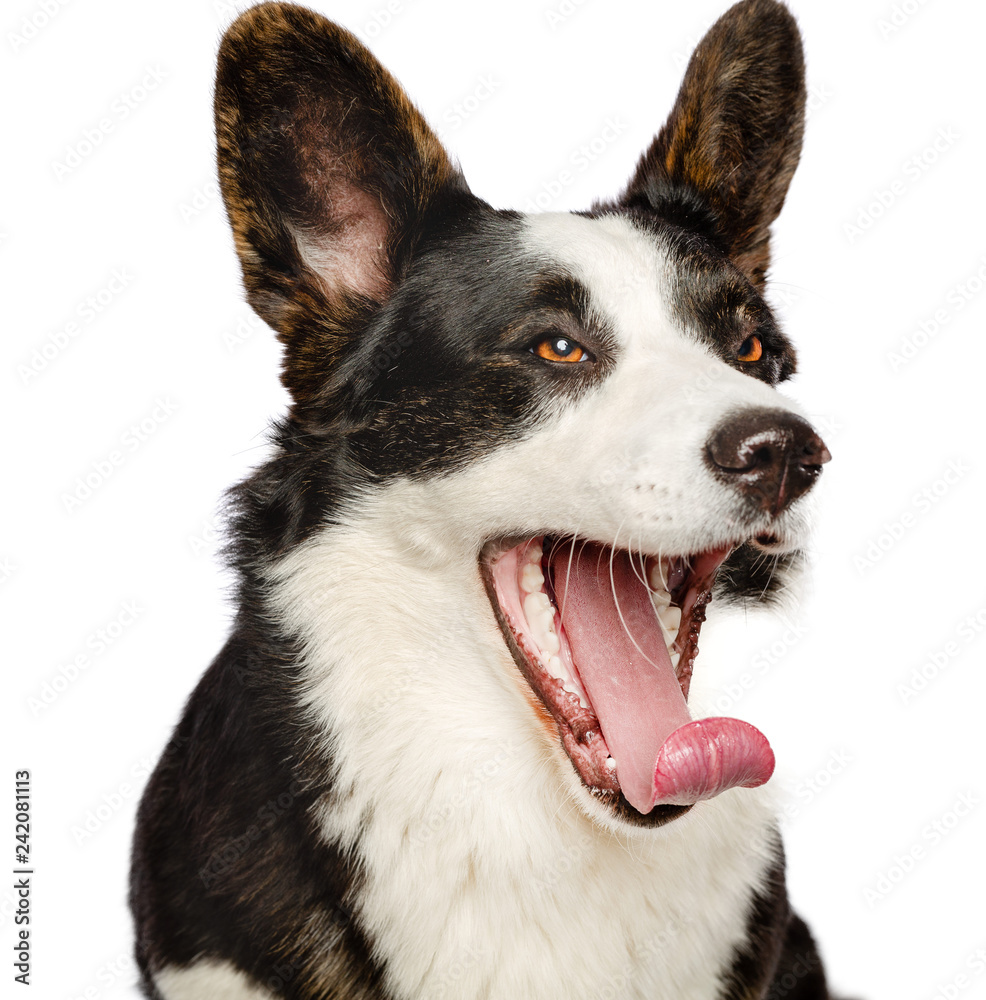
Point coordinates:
[[541, 622], [548, 640], [555, 667], [675, 657], [534, 552], [659, 574], [535, 605], [610, 764], [660, 599], [531, 578], [671, 620]]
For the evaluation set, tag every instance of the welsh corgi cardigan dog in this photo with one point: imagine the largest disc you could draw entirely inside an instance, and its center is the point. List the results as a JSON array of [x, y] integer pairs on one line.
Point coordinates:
[[452, 747]]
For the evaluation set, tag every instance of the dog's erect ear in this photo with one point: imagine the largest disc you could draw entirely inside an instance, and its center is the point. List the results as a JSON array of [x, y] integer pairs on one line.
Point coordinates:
[[326, 170], [724, 159]]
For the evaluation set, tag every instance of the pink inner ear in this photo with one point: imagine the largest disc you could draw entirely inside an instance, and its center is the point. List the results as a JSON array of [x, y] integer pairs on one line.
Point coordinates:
[[351, 255]]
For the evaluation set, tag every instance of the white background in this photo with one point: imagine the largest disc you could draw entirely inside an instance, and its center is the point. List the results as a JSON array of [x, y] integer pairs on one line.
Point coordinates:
[[866, 767]]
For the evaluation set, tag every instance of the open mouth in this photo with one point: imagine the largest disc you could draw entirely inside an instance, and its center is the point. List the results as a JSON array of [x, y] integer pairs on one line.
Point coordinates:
[[607, 641]]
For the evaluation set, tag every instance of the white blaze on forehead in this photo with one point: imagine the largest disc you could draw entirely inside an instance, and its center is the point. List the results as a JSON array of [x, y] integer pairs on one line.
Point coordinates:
[[624, 270]]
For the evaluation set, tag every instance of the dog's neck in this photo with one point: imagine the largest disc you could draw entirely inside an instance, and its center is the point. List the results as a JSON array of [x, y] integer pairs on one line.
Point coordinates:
[[463, 810]]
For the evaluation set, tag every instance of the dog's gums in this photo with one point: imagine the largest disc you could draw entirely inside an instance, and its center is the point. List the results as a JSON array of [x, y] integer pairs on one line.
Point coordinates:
[[607, 640]]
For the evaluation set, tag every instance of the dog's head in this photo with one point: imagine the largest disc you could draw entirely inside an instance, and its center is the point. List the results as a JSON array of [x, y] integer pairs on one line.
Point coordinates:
[[587, 400]]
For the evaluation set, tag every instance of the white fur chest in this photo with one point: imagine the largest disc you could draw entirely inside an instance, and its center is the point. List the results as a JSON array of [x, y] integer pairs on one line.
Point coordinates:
[[482, 874], [494, 904]]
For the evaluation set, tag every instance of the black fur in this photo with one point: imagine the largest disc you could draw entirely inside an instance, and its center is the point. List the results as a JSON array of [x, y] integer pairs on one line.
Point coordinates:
[[250, 881], [780, 958], [722, 164]]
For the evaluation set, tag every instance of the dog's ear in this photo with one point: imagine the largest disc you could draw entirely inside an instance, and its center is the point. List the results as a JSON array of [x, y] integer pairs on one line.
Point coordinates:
[[327, 170], [724, 159]]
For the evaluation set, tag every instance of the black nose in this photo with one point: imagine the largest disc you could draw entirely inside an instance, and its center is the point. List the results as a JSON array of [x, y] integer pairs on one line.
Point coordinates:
[[770, 456]]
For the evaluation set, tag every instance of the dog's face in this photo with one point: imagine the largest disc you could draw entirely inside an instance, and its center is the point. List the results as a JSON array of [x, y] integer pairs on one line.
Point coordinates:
[[583, 403]]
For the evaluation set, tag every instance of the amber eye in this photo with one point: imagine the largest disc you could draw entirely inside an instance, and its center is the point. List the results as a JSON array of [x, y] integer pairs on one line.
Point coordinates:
[[560, 349], [750, 350]]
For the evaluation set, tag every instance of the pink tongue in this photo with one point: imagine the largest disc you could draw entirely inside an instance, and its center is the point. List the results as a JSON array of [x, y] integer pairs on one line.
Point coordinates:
[[662, 756]]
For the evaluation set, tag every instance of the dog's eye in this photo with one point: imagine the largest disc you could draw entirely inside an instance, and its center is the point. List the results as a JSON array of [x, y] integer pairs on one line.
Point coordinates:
[[750, 350], [560, 349]]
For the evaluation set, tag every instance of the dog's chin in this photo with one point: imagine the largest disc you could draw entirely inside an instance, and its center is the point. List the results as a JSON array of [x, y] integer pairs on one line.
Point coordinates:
[[606, 641]]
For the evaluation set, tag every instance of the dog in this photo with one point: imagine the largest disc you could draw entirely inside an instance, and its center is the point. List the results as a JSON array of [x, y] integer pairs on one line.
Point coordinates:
[[451, 747]]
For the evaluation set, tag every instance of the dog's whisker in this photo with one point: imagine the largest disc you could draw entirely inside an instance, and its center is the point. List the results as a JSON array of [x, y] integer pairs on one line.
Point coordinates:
[[616, 600]]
